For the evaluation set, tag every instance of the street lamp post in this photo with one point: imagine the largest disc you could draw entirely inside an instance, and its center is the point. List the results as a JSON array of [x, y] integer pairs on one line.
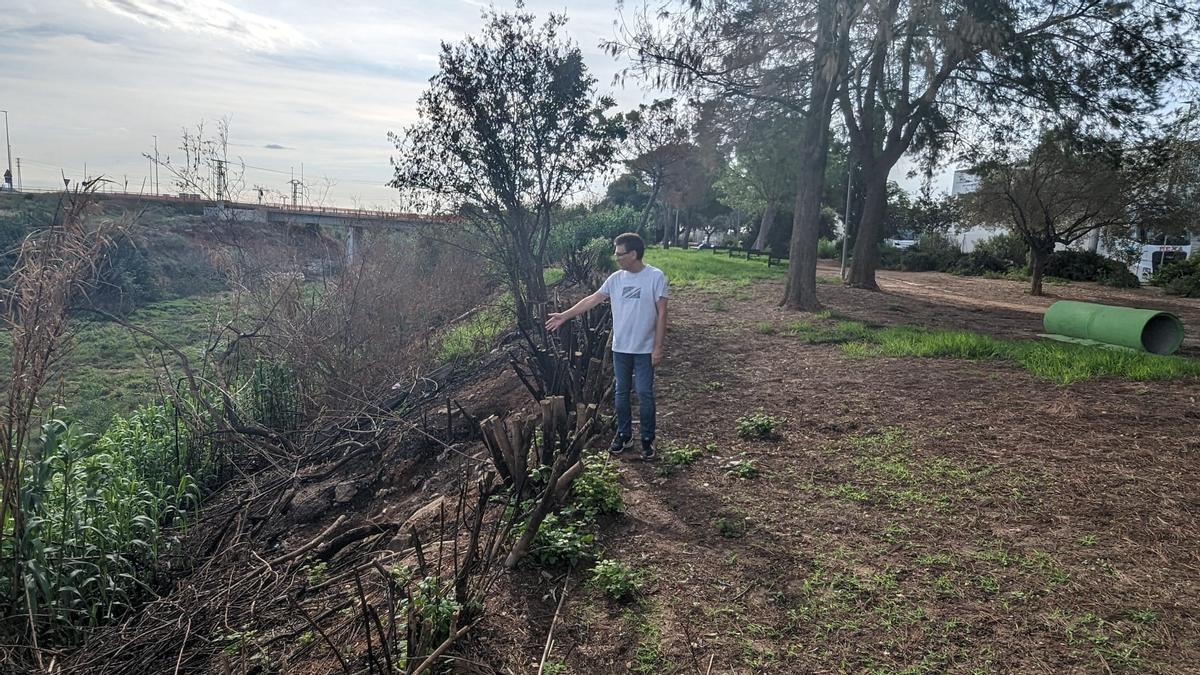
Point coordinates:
[[7, 143], [846, 219]]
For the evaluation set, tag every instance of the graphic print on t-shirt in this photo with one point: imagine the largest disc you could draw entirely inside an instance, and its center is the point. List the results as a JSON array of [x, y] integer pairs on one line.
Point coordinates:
[[631, 292]]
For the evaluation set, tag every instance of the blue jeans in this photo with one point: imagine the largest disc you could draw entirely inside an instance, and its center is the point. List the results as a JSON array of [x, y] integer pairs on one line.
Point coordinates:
[[640, 368]]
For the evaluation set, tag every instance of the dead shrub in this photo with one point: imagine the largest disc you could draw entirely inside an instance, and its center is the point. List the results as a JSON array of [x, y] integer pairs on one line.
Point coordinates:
[[351, 335]]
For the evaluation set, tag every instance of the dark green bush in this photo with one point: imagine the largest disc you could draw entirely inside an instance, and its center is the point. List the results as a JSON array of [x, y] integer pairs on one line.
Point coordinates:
[[1009, 248], [928, 261], [1181, 277], [981, 262], [933, 253], [126, 278], [577, 230], [1088, 266]]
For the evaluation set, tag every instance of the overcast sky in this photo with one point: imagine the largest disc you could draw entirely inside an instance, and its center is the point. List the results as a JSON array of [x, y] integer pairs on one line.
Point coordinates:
[[312, 83], [319, 84]]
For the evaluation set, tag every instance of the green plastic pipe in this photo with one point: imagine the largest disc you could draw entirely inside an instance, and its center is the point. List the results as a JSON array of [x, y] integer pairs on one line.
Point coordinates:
[[1142, 329]]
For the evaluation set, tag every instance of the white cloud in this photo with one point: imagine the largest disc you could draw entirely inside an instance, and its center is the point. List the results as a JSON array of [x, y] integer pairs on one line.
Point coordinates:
[[213, 18]]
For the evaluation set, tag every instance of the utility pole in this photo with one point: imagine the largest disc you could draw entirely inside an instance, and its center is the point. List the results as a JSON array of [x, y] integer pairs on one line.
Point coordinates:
[[18, 173], [156, 164], [295, 185], [220, 179]]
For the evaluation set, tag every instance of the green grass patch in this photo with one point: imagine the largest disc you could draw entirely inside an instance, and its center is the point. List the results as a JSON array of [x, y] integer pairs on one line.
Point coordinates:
[[888, 471], [648, 656], [1118, 644], [702, 268], [478, 333], [819, 332], [1060, 362]]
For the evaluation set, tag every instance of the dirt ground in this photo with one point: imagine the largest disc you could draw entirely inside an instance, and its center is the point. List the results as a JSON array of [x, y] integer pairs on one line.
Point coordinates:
[[909, 516]]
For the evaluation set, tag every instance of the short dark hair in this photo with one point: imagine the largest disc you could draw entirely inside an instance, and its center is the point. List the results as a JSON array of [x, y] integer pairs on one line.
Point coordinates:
[[632, 242]]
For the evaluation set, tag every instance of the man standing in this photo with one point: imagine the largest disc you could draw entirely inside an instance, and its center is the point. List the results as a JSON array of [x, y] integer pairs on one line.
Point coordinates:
[[638, 293]]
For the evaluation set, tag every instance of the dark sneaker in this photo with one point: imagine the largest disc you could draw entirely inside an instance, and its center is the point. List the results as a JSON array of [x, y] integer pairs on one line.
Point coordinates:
[[620, 445], [648, 451]]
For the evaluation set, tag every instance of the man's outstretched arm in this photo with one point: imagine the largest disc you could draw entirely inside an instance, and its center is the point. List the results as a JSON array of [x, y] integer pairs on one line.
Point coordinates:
[[556, 320]]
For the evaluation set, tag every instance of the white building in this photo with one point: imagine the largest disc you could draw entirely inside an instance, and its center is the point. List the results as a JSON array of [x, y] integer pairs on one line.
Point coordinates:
[[964, 182]]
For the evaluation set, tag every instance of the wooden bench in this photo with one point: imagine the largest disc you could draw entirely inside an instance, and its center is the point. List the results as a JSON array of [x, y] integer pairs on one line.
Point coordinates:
[[750, 253]]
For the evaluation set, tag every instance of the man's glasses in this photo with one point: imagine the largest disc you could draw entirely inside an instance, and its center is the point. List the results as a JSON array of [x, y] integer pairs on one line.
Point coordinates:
[[620, 255]]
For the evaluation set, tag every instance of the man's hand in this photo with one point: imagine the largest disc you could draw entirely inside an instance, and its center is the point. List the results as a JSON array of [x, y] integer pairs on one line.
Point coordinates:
[[656, 356], [556, 321]]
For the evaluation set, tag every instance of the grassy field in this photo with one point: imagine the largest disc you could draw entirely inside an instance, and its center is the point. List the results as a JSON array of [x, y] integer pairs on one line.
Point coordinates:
[[105, 371], [690, 268]]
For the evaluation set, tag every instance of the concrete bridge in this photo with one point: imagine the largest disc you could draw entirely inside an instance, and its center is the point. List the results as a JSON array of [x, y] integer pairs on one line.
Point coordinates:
[[354, 220]]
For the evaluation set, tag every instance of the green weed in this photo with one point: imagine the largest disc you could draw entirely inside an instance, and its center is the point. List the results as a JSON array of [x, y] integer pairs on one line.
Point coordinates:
[[682, 455], [758, 426], [742, 468], [730, 528], [617, 580], [562, 542], [596, 492]]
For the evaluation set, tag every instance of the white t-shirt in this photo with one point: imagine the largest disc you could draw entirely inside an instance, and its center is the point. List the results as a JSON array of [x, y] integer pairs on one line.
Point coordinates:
[[634, 297]]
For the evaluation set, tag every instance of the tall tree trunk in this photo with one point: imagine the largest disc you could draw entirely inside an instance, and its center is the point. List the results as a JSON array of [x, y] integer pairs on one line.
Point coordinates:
[[801, 290], [768, 223], [531, 296], [870, 228], [1037, 267]]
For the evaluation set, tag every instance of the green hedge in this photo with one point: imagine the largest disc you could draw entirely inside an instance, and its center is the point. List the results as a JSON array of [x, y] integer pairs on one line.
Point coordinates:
[[1181, 277]]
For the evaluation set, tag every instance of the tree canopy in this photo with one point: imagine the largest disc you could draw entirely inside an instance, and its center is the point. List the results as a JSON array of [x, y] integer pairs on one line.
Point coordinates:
[[509, 127]]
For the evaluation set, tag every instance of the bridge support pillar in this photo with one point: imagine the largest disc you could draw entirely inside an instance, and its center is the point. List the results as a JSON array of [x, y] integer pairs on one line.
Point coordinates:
[[353, 234]]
